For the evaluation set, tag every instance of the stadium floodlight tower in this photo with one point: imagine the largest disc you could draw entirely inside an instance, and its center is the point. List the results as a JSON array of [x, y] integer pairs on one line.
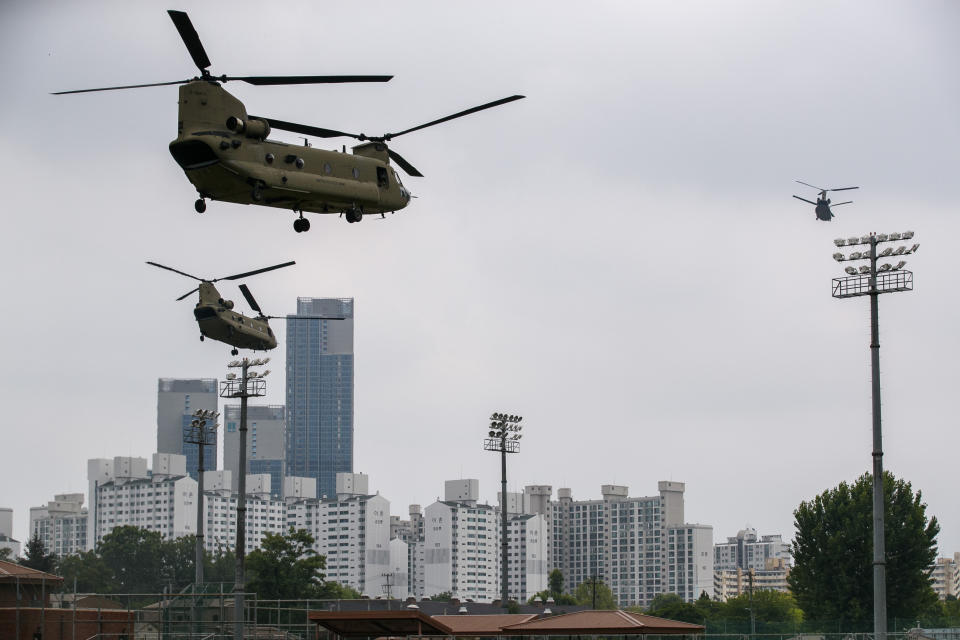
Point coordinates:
[[203, 435], [503, 436], [249, 384], [871, 280]]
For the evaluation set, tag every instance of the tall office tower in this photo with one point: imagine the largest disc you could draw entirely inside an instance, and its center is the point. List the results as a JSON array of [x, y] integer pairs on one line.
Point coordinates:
[[177, 400], [266, 443], [320, 391]]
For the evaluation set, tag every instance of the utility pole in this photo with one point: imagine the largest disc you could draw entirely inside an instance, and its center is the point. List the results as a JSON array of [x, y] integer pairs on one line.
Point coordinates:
[[250, 384], [200, 434], [504, 436], [870, 280]]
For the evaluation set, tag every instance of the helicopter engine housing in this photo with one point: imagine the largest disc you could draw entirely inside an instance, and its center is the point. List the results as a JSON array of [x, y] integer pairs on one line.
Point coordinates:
[[252, 128], [227, 304]]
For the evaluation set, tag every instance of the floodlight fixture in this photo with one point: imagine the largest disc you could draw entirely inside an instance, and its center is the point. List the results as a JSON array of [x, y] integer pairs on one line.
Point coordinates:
[[907, 235], [864, 239], [895, 235], [901, 264], [914, 248], [853, 240], [865, 269], [899, 250], [884, 267], [856, 255], [851, 270], [882, 237], [840, 242], [886, 251]]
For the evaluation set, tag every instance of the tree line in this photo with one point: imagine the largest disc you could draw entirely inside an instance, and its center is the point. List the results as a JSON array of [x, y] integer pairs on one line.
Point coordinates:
[[133, 560]]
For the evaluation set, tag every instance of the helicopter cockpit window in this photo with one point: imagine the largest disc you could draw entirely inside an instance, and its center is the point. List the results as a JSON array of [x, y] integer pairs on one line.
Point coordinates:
[[396, 176], [382, 180]]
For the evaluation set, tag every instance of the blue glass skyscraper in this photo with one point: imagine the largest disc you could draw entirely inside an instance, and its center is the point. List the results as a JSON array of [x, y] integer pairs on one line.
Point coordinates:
[[320, 391]]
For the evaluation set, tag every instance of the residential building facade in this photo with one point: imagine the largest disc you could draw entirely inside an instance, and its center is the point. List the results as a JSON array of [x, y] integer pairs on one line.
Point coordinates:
[[61, 525]]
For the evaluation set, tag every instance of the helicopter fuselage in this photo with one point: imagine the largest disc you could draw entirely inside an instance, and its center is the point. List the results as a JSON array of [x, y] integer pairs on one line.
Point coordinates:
[[823, 209], [218, 321], [237, 163]]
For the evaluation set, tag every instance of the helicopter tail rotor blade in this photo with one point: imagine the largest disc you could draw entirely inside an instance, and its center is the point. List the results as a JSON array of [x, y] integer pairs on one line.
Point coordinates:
[[187, 294], [256, 271], [128, 86], [183, 273], [190, 38], [250, 299], [294, 127], [489, 105], [403, 164], [805, 200], [278, 80]]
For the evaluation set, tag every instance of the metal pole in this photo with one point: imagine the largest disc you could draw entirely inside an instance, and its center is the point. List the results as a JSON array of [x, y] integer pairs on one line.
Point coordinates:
[[504, 546], [198, 574], [879, 562], [239, 586]]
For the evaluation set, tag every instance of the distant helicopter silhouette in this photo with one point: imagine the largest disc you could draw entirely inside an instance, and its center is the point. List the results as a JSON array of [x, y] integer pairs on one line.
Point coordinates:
[[822, 204]]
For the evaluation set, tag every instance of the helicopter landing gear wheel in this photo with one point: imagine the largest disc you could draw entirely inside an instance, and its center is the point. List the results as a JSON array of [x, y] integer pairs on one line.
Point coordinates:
[[234, 352], [301, 224], [257, 192], [201, 337], [200, 205], [354, 215]]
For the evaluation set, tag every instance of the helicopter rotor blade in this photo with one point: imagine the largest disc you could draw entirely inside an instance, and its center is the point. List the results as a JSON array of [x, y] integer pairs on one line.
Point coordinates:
[[305, 317], [460, 114], [250, 299], [837, 204], [276, 80], [255, 272], [183, 273], [842, 189], [188, 293], [190, 38], [805, 200], [403, 164], [811, 185], [294, 127], [128, 86]]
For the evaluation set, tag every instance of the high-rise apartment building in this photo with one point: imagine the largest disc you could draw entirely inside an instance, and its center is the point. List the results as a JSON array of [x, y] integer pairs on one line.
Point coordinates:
[[61, 525], [945, 577], [177, 400], [320, 375], [6, 533], [748, 551], [638, 546], [266, 443]]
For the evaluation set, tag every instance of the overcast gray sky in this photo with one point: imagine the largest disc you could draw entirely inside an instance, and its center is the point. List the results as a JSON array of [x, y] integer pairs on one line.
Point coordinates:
[[617, 258]]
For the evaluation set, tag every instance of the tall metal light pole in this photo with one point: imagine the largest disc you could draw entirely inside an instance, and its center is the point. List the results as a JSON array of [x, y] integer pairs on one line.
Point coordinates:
[[870, 280], [503, 436], [200, 434], [249, 385]]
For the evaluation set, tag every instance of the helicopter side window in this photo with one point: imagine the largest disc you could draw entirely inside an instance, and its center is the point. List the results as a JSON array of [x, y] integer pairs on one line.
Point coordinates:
[[356, 173], [327, 169], [382, 180]]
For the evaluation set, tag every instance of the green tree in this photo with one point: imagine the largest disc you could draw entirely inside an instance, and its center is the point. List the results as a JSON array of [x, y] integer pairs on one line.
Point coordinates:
[[672, 606], [87, 571], [768, 607], [179, 558], [36, 556], [832, 576], [594, 593], [443, 596], [5, 554], [555, 580], [331, 590], [134, 557], [286, 567], [220, 567]]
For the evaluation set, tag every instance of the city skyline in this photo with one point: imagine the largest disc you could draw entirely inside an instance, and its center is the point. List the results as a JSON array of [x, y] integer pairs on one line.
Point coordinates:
[[617, 257]]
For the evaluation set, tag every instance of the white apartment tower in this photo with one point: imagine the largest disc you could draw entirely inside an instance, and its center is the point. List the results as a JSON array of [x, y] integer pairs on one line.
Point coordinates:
[[353, 532], [638, 546], [61, 525], [460, 545]]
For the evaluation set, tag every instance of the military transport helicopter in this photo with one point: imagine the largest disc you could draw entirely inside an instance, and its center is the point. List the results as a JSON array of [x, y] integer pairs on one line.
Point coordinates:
[[219, 321], [822, 204], [225, 152]]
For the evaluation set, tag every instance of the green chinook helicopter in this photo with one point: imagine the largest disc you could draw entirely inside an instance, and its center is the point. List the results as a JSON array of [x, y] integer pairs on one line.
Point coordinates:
[[219, 321], [227, 155]]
